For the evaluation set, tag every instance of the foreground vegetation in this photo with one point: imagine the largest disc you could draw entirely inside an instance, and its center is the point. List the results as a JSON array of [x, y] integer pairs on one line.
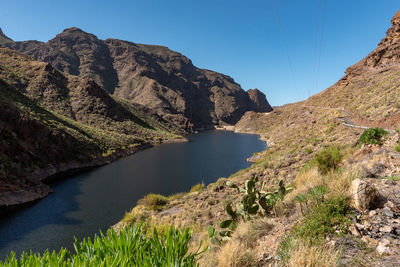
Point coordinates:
[[132, 246], [247, 219]]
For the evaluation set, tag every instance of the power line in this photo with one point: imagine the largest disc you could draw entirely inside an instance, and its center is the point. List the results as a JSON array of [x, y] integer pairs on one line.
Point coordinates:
[[320, 43], [285, 43], [315, 49]]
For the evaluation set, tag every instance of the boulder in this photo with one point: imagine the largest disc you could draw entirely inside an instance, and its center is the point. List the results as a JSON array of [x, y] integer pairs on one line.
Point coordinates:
[[362, 194]]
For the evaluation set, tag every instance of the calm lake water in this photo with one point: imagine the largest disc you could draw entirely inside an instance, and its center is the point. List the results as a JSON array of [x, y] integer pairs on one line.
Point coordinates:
[[82, 205]]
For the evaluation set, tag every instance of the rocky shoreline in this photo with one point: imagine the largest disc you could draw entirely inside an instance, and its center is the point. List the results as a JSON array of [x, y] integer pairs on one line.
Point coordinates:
[[41, 178]]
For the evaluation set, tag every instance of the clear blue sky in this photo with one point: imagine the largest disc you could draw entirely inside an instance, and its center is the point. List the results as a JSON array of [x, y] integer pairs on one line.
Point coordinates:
[[238, 38]]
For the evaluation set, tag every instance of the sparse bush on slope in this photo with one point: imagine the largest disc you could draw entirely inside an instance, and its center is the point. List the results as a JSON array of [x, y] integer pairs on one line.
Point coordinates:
[[328, 159], [154, 201], [323, 200], [373, 136]]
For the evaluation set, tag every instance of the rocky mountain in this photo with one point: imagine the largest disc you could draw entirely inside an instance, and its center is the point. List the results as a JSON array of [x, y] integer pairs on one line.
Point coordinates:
[[259, 102], [154, 76], [51, 122]]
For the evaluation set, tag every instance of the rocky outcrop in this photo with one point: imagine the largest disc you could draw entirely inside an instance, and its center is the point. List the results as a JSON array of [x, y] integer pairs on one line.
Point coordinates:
[[4, 40], [77, 53], [153, 76], [80, 99], [376, 161], [259, 102], [386, 54]]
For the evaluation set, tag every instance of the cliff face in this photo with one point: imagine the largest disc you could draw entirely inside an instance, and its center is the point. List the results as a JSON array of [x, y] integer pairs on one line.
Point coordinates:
[[259, 102], [387, 54], [77, 53], [153, 76]]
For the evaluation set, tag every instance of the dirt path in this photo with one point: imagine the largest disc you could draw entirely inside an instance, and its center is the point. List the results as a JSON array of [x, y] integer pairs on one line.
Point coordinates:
[[346, 120]]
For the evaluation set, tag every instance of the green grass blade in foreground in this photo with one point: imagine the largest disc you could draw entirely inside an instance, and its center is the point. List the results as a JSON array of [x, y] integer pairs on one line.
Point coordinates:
[[132, 246]]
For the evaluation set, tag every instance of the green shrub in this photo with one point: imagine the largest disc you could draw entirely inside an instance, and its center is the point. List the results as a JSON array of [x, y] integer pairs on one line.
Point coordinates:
[[373, 136], [326, 218], [314, 196], [154, 201], [131, 247], [285, 247], [328, 159]]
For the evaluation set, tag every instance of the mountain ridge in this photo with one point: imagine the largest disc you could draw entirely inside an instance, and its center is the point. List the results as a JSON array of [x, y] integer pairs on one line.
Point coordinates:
[[154, 76]]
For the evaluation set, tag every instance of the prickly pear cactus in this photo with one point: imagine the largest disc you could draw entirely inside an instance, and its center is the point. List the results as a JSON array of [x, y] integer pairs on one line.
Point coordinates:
[[254, 202]]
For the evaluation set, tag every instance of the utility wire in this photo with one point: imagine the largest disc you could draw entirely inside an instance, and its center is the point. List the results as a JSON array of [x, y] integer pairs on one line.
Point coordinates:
[[315, 49], [320, 43], [285, 43]]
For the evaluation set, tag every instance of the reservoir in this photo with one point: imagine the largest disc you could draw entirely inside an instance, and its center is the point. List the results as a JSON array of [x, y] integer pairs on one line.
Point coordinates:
[[87, 203]]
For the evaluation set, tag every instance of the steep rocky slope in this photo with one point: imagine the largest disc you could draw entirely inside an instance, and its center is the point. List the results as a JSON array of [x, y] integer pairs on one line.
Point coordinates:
[[51, 122], [163, 80]]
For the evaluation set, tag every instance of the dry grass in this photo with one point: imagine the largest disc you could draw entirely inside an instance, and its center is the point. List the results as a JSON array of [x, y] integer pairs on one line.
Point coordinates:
[[303, 255], [153, 201], [304, 181], [248, 233], [234, 254], [138, 214], [197, 188], [337, 183], [240, 250]]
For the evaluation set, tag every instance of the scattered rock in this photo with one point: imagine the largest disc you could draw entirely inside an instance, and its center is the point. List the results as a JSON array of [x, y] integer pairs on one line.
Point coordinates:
[[386, 229], [270, 143], [376, 161], [354, 231], [387, 212], [392, 206], [362, 194], [367, 225], [382, 247]]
